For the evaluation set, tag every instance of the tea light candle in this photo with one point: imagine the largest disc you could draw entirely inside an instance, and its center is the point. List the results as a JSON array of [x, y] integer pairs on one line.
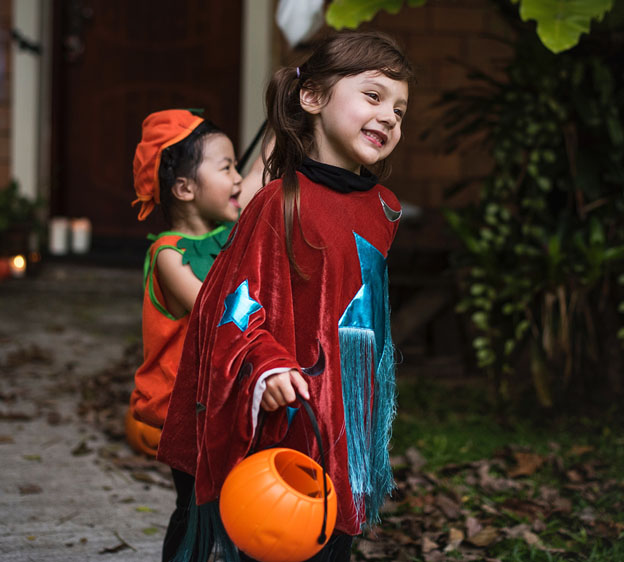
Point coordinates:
[[18, 266], [58, 236], [81, 235]]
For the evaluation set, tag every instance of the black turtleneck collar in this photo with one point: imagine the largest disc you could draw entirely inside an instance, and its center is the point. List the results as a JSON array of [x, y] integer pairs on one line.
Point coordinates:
[[336, 178]]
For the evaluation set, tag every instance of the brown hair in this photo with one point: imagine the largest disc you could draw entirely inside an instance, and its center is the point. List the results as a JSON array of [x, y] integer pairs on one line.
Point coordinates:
[[336, 56]]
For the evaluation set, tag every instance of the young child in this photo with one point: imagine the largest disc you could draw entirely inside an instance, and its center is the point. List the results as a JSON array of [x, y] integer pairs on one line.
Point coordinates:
[[298, 301], [187, 165]]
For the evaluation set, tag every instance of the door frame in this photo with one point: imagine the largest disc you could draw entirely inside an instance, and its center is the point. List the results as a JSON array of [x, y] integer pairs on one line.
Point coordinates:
[[32, 148]]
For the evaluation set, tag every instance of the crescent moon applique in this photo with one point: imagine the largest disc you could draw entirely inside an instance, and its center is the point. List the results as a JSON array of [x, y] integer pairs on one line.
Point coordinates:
[[318, 367], [390, 213], [244, 372]]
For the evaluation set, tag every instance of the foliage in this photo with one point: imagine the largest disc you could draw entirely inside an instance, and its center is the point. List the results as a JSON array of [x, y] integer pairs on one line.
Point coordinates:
[[469, 489], [351, 13], [560, 23], [544, 244], [15, 209]]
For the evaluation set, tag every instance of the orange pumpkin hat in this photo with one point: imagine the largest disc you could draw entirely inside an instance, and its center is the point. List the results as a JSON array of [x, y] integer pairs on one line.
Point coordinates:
[[160, 130]]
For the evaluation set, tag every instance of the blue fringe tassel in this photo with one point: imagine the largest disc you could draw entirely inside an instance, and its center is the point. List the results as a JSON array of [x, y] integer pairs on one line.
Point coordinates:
[[205, 533], [356, 359], [368, 437]]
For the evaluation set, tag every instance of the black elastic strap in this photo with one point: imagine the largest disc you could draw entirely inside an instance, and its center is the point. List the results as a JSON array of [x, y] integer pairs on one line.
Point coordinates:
[[243, 159]]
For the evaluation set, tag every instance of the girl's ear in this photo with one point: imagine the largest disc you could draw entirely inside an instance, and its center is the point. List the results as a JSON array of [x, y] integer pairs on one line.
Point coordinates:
[[311, 101], [183, 189]]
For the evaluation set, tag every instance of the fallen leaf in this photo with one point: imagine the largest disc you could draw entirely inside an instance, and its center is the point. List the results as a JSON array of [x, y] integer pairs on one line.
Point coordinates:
[[574, 476], [456, 536], [449, 508], [81, 449], [485, 537], [473, 526], [150, 531], [526, 464], [36, 458], [427, 545], [6, 439], [28, 489], [415, 458], [578, 450], [15, 416]]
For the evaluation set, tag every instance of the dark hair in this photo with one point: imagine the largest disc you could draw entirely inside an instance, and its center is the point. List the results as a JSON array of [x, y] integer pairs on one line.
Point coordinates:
[[336, 56], [181, 160]]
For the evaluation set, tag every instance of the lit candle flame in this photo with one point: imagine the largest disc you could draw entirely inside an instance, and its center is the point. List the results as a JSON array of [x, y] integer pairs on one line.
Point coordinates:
[[18, 266]]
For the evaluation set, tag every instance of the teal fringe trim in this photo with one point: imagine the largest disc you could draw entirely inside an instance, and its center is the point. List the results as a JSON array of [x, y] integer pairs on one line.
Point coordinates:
[[205, 533], [368, 437], [384, 412], [357, 347]]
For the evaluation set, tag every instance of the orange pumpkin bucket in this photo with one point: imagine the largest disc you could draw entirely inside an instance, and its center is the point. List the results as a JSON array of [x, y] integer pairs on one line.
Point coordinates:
[[279, 505], [141, 437]]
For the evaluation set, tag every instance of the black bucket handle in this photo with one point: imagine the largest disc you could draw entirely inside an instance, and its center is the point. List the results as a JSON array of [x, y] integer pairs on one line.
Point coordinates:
[[306, 406]]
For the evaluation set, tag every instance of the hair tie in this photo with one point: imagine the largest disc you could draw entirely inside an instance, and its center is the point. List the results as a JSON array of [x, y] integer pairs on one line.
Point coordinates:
[[298, 73]]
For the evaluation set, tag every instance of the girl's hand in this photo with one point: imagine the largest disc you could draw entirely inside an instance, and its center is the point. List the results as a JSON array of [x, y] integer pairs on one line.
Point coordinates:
[[281, 390]]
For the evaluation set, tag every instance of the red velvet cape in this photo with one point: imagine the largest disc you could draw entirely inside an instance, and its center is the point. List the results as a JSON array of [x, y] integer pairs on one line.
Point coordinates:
[[209, 426]]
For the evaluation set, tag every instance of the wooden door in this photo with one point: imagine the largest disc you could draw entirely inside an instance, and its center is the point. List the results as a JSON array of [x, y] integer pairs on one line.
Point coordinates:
[[117, 61]]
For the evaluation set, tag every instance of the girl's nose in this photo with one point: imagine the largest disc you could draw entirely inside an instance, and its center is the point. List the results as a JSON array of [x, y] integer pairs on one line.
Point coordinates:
[[387, 116]]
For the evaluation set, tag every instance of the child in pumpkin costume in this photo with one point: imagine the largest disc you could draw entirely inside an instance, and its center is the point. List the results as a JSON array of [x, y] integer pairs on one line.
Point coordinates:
[[187, 165]]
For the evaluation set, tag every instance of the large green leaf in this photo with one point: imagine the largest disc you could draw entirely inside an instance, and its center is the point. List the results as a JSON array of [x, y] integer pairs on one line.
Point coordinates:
[[351, 13], [560, 23]]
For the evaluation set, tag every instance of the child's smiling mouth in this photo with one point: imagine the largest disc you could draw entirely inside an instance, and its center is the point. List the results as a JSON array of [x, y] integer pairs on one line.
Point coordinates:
[[376, 137]]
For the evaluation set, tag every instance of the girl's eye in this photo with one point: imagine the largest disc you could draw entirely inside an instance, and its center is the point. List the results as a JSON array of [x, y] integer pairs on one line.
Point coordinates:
[[398, 113], [373, 96]]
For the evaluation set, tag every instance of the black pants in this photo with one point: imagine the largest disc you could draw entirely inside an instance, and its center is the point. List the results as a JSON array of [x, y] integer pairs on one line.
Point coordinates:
[[337, 549], [184, 484]]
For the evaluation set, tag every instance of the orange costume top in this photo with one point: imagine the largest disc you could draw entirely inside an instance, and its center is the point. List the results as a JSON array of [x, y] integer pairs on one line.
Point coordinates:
[[163, 333]]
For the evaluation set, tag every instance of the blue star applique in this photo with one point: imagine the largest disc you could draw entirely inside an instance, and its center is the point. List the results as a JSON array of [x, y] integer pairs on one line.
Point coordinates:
[[239, 306], [367, 309]]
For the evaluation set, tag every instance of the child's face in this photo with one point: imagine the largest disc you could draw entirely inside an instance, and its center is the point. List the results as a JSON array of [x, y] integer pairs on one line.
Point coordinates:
[[217, 183], [360, 123]]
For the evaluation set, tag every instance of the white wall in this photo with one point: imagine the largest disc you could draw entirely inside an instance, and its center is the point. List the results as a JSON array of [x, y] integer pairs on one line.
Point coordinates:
[[255, 69], [25, 92]]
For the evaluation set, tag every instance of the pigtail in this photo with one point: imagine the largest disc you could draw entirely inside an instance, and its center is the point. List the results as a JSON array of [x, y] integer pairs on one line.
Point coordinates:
[[292, 131]]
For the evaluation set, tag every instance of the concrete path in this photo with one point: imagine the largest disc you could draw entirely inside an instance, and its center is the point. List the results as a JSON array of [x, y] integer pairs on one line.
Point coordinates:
[[68, 492]]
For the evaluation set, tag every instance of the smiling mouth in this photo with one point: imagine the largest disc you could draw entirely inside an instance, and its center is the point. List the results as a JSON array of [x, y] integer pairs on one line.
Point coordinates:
[[375, 137]]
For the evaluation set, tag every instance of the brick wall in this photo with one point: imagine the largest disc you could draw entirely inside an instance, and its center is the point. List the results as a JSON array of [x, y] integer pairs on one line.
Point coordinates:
[[431, 34], [5, 90]]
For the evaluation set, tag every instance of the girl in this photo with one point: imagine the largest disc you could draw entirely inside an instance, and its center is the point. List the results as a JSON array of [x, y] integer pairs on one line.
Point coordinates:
[[186, 165], [298, 302]]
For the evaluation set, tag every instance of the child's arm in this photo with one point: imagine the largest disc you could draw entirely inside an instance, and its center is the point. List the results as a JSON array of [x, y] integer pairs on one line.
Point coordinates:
[[252, 182], [280, 390], [178, 282]]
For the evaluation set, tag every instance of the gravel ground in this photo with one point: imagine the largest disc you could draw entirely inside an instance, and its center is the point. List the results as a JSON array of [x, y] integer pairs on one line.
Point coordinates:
[[71, 489]]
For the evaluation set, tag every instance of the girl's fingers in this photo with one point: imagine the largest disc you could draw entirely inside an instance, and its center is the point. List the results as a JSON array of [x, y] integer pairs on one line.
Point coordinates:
[[299, 384], [281, 390], [268, 403]]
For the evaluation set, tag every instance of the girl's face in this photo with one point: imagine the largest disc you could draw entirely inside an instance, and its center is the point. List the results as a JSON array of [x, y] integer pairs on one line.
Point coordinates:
[[360, 122], [217, 183]]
